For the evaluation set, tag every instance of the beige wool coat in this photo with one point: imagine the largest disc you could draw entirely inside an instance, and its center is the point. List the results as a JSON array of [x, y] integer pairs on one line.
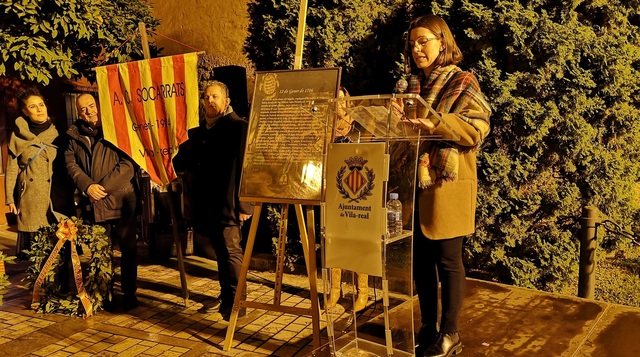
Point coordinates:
[[447, 208], [34, 183]]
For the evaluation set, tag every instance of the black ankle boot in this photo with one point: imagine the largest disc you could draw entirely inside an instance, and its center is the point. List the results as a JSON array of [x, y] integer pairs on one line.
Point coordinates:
[[426, 336], [446, 345]]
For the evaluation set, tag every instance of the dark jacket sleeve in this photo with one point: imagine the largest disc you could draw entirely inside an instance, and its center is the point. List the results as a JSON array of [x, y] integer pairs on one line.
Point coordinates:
[[121, 174], [62, 186], [184, 159], [80, 178]]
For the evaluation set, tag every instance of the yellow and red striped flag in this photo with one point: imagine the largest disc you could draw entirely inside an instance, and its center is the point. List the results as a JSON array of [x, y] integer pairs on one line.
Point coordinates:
[[147, 107]]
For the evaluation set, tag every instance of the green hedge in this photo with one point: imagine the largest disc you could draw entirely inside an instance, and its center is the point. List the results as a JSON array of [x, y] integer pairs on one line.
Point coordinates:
[[563, 78]]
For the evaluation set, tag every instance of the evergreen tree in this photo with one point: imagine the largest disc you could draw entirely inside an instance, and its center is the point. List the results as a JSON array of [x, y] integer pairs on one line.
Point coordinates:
[[563, 77], [361, 36], [43, 40]]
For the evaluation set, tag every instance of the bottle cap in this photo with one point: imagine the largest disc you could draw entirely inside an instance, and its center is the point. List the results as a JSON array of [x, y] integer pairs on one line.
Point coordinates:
[[393, 195]]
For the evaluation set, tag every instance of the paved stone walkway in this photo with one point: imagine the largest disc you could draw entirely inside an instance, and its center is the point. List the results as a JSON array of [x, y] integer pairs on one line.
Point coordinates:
[[161, 325], [497, 320]]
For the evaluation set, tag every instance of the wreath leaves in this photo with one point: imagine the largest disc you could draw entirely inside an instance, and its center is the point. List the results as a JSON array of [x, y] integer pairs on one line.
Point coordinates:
[[339, 177], [370, 185], [4, 278], [96, 282]]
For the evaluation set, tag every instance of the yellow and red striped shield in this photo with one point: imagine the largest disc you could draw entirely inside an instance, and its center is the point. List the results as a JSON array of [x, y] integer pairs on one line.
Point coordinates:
[[147, 107]]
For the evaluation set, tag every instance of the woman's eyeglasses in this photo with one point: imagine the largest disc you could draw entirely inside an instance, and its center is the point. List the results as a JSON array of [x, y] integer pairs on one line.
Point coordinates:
[[421, 42]]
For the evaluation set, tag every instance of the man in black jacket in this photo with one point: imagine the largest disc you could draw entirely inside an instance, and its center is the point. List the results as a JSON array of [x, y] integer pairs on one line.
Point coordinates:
[[213, 155], [104, 174]]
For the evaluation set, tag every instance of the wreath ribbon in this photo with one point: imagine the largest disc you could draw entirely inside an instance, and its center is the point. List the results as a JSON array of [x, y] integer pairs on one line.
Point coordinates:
[[67, 231]]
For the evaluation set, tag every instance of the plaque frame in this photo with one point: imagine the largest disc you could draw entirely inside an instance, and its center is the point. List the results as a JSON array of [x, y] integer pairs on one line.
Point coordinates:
[[287, 137]]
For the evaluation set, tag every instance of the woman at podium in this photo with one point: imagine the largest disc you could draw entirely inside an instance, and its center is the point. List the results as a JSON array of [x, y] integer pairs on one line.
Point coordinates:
[[447, 188]]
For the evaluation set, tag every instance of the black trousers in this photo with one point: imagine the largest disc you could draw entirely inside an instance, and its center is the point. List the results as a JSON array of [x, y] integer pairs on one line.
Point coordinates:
[[122, 231], [438, 261], [24, 240], [226, 244]]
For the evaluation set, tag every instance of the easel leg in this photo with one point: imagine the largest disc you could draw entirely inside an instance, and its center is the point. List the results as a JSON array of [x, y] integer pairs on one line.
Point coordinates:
[[282, 244], [242, 280], [307, 238]]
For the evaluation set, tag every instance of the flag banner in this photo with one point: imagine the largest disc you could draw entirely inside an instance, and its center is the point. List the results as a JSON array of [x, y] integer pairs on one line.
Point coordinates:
[[147, 107]]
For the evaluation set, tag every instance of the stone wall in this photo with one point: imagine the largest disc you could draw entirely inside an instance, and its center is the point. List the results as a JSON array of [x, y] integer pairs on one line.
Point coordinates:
[[217, 27]]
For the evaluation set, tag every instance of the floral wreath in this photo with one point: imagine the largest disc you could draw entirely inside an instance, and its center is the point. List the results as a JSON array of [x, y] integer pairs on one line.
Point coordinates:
[[47, 253], [4, 278]]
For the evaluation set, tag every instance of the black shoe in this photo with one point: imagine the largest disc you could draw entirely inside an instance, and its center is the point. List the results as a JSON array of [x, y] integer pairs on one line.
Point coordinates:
[[130, 303], [226, 312], [426, 337], [108, 305], [210, 305], [446, 345]]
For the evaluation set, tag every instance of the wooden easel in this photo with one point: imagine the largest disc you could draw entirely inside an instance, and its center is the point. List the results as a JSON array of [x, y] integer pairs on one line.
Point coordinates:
[[307, 238]]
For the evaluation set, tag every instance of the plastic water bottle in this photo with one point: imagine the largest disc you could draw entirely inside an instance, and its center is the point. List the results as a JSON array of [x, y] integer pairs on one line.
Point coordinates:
[[394, 215]]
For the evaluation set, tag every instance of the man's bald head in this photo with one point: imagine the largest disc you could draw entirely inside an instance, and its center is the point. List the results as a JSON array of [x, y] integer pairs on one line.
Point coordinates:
[[88, 109]]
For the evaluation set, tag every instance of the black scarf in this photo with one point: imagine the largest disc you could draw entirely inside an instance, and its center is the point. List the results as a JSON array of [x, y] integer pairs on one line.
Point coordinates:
[[37, 128], [87, 130], [94, 134]]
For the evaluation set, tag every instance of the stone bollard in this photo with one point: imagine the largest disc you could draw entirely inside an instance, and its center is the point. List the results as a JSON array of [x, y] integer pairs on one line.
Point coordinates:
[[586, 278]]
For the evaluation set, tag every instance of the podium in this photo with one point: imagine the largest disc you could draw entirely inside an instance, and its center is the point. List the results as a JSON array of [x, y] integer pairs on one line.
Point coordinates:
[[376, 155]]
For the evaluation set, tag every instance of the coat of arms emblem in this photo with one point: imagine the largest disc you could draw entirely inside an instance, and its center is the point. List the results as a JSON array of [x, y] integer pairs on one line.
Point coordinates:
[[355, 185]]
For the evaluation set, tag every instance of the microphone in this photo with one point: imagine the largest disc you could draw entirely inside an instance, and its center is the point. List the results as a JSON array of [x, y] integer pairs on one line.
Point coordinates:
[[409, 104], [401, 86]]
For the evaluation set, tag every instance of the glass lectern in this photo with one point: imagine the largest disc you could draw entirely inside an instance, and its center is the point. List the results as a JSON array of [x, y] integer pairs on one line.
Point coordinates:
[[373, 152]]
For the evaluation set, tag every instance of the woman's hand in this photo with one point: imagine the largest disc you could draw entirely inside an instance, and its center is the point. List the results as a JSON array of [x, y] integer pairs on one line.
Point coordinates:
[[397, 107], [423, 124], [343, 123], [13, 209]]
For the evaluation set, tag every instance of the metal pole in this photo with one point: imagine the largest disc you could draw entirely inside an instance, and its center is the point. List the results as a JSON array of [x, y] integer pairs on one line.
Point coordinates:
[[302, 25], [145, 182], [145, 42], [174, 220], [586, 277]]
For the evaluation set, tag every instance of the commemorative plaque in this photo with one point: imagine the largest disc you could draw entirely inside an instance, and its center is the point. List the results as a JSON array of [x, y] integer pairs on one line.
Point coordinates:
[[288, 135]]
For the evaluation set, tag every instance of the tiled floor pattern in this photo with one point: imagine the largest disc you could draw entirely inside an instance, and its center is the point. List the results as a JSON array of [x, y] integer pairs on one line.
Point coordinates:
[[14, 326], [161, 326]]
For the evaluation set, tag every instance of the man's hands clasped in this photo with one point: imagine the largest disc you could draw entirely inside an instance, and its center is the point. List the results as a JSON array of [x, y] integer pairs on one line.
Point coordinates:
[[96, 192]]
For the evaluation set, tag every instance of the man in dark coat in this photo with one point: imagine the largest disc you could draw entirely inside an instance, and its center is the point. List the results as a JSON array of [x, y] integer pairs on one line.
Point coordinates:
[[104, 176], [213, 155]]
